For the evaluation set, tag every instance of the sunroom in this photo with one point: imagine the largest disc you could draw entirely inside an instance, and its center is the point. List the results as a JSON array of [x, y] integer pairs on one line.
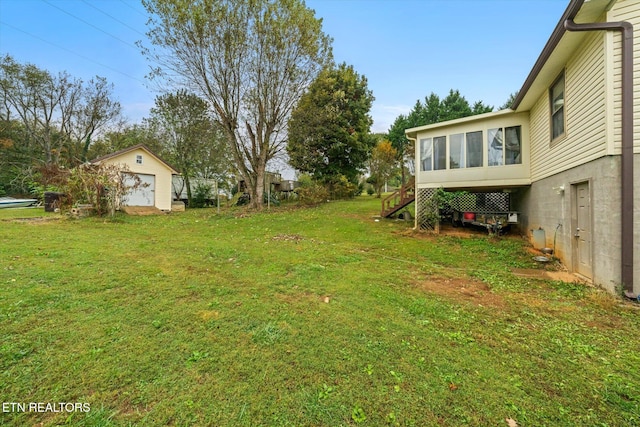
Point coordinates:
[[485, 155], [487, 150]]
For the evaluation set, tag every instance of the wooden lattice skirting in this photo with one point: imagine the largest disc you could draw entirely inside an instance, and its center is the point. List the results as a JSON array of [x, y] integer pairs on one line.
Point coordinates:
[[426, 210]]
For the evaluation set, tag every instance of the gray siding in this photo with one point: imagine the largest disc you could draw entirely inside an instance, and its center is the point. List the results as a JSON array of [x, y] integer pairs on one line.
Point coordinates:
[[544, 206]]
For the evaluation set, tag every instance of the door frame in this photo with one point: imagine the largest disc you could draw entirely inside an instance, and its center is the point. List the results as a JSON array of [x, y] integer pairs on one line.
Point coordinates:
[[574, 225]]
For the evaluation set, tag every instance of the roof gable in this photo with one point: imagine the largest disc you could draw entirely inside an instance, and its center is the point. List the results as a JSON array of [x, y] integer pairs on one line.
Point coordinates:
[[134, 148]]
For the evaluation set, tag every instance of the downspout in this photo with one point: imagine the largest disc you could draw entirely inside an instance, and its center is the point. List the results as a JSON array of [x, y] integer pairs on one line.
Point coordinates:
[[626, 30]]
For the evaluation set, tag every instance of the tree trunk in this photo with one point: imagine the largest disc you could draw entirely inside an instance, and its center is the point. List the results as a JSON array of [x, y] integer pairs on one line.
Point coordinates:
[[257, 193], [187, 183]]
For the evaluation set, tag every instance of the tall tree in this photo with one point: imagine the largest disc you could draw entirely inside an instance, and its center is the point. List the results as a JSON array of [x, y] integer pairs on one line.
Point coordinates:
[[95, 110], [329, 129], [252, 60], [193, 141], [125, 137], [58, 114], [382, 165]]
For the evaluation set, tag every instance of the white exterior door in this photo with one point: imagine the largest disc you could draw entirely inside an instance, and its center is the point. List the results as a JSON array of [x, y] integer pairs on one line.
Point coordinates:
[[145, 194], [582, 230]]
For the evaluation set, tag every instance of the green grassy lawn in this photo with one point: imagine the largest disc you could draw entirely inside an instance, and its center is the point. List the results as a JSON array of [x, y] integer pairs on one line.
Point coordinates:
[[300, 317]]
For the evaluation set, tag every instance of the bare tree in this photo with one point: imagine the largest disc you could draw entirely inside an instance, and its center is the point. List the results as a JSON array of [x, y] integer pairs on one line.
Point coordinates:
[[252, 60], [59, 114]]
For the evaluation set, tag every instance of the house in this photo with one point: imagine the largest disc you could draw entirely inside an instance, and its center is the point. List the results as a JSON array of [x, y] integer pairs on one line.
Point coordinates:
[[563, 156], [272, 183], [155, 176]]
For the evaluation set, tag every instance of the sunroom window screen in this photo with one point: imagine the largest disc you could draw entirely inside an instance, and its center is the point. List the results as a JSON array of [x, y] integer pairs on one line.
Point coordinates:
[[440, 153], [456, 147], [474, 149], [512, 146], [426, 152], [495, 144]]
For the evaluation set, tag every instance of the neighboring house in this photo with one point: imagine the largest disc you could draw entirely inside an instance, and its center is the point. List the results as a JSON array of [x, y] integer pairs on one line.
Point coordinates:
[[272, 182], [155, 175], [564, 153], [180, 188]]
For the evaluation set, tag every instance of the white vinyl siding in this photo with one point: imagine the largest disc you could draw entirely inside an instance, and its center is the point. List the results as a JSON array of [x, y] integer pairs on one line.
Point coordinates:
[[151, 166], [625, 10], [585, 136]]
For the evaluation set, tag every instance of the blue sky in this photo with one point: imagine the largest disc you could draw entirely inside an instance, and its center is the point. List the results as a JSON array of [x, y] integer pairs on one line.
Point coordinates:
[[406, 48]]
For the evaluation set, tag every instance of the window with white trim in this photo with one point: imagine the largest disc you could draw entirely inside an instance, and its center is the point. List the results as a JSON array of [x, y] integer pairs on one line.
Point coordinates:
[[139, 159]]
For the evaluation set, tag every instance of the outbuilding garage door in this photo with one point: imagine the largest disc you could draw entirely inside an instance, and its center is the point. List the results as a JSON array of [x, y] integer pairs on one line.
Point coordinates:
[[144, 195]]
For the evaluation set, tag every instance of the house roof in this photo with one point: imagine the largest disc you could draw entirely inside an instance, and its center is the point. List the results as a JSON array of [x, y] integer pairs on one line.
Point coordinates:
[[133, 148], [559, 47], [461, 120]]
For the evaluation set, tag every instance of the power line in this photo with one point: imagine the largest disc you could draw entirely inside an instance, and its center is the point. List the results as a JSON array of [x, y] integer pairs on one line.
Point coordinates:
[[113, 17], [89, 24], [73, 52], [133, 8]]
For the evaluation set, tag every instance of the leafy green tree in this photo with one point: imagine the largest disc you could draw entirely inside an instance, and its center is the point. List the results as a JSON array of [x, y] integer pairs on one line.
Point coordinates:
[[125, 137], [382, 165], [329, 129], [193, 142], [15, 159], [251, 60], [509, 102]]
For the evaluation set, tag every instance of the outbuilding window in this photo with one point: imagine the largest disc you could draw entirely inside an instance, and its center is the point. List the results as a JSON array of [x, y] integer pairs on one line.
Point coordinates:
[[139, 159], [556, 95]]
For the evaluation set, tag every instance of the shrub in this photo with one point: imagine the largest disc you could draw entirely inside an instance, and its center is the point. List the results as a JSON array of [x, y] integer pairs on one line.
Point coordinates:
[[342, 188], [202, 195], [311, 192], [99, 185]]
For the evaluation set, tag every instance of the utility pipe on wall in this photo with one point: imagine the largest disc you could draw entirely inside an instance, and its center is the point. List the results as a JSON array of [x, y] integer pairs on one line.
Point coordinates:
[[626, 172]]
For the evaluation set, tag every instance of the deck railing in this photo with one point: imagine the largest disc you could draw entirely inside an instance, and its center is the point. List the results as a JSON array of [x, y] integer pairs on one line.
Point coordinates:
[[399, 199]]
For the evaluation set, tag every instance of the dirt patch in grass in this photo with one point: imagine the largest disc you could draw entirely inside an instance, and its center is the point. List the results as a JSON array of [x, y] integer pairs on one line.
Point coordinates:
[[532, 273], [295, 298], [33, 220], [288, 238], [464, 290]]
